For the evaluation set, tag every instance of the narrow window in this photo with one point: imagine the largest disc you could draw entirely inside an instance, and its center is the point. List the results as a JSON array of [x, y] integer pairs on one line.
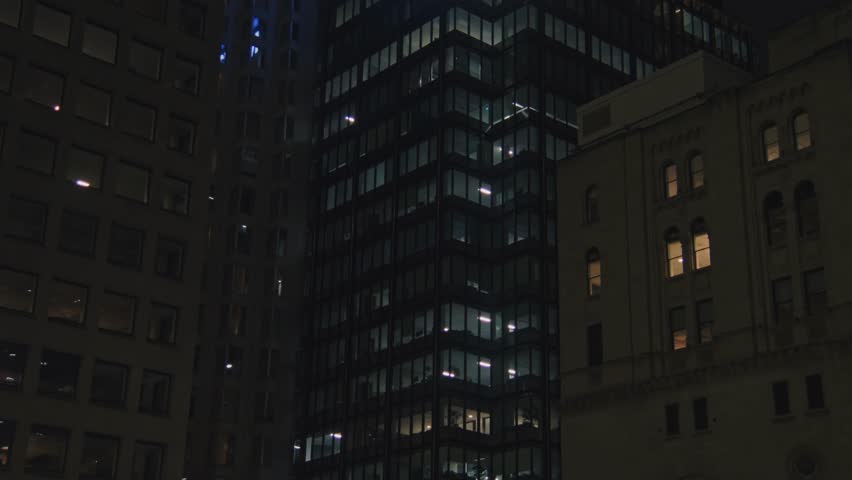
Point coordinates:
[[594, 339], [677, 323], [816, 395], [704, 317], [782, 299], [771, 147], [7, 441], [776, 219], [593, 273], [802, 130], [674, 253], [696, 172], [815, 292], [7, 72], [807, 210], [781, 398], [699, 410], [187, 75], [672, 419], [592, 209], [670, 181], [700, 244]]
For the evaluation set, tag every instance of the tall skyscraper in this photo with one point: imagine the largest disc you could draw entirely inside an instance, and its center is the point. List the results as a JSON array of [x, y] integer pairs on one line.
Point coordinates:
[[242, 392], [105, 133], [432, 336]]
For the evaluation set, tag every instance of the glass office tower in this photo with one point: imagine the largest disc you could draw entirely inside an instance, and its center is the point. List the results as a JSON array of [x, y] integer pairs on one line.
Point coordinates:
[[432, 337]]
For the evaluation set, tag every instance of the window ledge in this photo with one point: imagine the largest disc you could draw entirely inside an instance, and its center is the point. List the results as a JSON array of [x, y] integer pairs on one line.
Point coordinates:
[[818, 412], [786, 418]]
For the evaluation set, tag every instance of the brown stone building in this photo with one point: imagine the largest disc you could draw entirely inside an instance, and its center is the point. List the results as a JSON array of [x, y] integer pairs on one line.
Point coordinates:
[[704, 283]]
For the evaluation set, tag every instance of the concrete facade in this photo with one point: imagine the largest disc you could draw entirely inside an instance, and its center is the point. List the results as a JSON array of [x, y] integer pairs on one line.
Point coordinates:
[[728, 358]]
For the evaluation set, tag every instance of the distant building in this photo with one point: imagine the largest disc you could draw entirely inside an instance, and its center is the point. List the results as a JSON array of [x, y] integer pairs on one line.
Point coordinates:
[[106, 122], [704, 274]]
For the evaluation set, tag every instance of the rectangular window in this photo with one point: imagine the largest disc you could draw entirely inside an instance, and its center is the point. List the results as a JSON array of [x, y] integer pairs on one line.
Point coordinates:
[[145, 59], [46, 450], [99, 458], [36, 152], [7, 441], [148, 461], [187, 75], [13, 362], [815, 293], [191, 18], [93, 104], [771, 146], [156, 389], [162, 327], [699, 410], [704, 316], [84, 168], [109, 383], [672, 419], [594, 338], [58, 374], [51, 24], [782, 299], [67, 302], [99, 42], [77, 233], [17, 290], [125, 246], [45, 88], [10, 12], [169, 257], [7, 72], [182, 135], [175, 195], [26, 219], [671, 181], [139, 120], [132, 182], [677, 322], [816, 395], [781, 398], [117, 313]]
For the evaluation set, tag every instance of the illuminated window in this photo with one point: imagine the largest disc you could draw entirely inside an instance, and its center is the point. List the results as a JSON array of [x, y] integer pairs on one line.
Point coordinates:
[[67, 302], [13, 362], [117, 313], [593, 273], [700, 245], [670, 181], [592, 206], [807, 210], [677, 325], [696, 172], [771, 146], [776, 219], [802, 131], [84, 168], [7, 439], [674, 253]]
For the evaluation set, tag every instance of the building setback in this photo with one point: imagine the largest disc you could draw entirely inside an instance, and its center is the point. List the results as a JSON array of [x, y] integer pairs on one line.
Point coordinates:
[[105, 138], [431, 341], [704, 293]]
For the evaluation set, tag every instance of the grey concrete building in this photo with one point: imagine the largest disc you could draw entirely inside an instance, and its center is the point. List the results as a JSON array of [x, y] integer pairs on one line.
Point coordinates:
[[678, 363], [106, 137]]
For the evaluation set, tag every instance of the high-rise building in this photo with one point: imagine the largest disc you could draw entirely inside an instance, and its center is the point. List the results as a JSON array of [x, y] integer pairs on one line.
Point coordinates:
[[432, 334], [105, 135], [251, 312], [704, 292]]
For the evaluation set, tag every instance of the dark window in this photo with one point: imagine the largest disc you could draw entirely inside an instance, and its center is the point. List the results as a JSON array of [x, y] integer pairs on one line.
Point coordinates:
[[781, 398], [26, 219], [816, 395], [153, 9], [162, 327], [277, 242], [696, 172], [117, 313], [99, 458], [704, 316], [145, 60], [67, 301], [139, 120], [94, 104], [17, 290], [592, 208], [10, 12], [58, 374], [181, 135], [7, 441], [672, 419], [154, 396], [807, 210], [263, 406], [36, 152], [776, 219], [169, 256], [84, 168], [100, 43], [674, 253], [125, 246], [175, 195], [132, 182], [148, 461], [699, 410], [7, 71], [46, 88], [77, 233], [51, 24], [187, 75], [594, 338], [677, 323], [782, 299], [192, 18], [815, 293], [13, 362], [109, 383], [46, 450]]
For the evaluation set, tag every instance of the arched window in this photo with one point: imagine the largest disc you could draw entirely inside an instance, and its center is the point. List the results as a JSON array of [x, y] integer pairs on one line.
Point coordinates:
[[593, 273], [807, 210], [700, 244], [674, 253], [592, 210], [696, 171], [771, 145], [802, 130], [776, 219], [670, 181]]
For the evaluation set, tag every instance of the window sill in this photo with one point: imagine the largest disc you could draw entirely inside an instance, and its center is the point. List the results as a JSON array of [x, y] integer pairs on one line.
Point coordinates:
[[67, 322], [31, 241], [786, 418], [818, 412], [128, 335]]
